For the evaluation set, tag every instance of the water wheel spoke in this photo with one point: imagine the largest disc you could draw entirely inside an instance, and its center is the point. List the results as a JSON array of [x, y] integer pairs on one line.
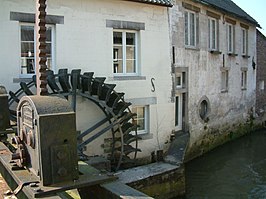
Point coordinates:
[[25, 88]]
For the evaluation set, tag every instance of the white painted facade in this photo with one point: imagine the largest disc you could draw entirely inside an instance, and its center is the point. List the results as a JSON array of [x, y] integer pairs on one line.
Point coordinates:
[[203, 71], [84, 41]]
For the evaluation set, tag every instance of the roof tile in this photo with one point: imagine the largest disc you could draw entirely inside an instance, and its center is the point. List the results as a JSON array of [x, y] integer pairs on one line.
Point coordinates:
[[229, 6]]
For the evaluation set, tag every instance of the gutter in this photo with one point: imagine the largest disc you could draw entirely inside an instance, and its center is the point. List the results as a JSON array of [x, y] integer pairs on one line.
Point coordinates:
[[153, 2]]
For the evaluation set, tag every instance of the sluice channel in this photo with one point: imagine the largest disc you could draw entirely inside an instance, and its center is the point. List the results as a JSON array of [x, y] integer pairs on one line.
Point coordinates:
[[236, 170]]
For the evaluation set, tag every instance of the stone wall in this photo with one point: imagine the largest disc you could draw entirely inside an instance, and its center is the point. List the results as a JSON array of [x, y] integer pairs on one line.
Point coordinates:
[[261, 77], [229, 109]]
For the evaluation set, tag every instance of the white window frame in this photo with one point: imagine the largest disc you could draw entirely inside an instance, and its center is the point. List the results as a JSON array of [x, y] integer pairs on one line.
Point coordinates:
[[189, 29], [244, 37], [230, 38], [244, 74], [124, 73], [146, 119], [213, 39], [52, 48]]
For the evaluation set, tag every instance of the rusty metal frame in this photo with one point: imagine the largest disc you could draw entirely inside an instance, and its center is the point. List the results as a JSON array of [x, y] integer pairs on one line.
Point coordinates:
[[29, 184]]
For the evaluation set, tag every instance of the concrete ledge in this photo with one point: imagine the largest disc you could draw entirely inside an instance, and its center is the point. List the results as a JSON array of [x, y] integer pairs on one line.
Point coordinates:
[[159, 180]]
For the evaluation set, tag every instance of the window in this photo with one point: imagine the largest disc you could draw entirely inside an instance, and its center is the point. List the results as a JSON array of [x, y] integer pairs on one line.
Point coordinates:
[[178, 80], [244, 79], [213, 34], [230, 38], [28, 46], [141, 119], [190, 28], [204, 110], [262, 85], [125, 52], [244, 41], [224, 86]]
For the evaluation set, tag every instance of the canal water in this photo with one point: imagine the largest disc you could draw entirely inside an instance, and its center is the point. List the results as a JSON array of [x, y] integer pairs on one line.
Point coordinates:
[[235, 170]]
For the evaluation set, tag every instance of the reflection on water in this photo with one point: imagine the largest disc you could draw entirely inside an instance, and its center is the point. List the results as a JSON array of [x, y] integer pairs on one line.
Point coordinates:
[[236, 170]]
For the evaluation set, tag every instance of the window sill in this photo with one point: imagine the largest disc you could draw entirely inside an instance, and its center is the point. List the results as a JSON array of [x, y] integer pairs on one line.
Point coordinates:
[[192, 48], [215, 52], [18, 80], [145, 136], [232, 54], [246, 56], [125, 78], [224, 91]]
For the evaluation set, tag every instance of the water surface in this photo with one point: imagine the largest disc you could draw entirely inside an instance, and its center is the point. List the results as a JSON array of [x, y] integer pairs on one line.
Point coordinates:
[[236, 170]]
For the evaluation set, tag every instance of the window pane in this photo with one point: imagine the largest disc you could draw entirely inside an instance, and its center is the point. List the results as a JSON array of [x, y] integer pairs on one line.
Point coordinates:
[[117, 38], [131, 66], [27, 65], [27, 49], [130, 52], [48, 49], [213, 34], [141, 125], [186, 28], [48, 34], [192, 29], [243, 41], [27, 33], [230, 42], [118, 66], [118, 52], [209, 28], [140, 118], [130, 38]]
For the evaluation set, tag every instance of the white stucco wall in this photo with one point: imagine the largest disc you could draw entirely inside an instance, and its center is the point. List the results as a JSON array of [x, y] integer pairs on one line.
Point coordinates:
[[84, 41], [204, 74]]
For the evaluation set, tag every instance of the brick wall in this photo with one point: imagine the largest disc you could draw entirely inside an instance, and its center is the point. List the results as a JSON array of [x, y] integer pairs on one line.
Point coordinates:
[[261, 74]]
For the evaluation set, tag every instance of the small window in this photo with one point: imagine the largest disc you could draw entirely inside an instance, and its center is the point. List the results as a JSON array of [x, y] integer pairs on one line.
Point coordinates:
[[204, 109], [190, 29], [224, 75], [244, 41], [179, 80], [213, 34], [230, 38], [124, 52], [244, 80], [28, 46], [141, 119], [262, 85]]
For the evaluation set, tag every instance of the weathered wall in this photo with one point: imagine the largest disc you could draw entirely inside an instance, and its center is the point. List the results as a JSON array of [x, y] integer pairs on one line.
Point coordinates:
[[84, 41], [227, 109], [261, 76]]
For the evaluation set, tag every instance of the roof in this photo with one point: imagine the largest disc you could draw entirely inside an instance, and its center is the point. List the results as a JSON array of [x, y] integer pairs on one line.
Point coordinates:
[[230, 7], [167, 3]]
